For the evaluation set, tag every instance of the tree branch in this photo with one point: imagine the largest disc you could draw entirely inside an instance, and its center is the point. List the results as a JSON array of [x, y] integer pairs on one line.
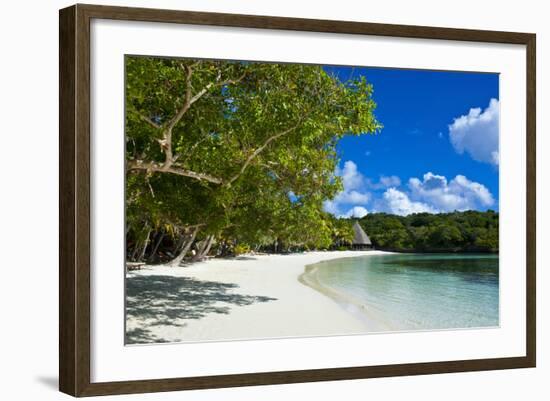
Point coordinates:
[[233, 81], [161, 168], [259, 150], [187, 100], [190, 99], [148, 120], [165, 143], [143, 117]]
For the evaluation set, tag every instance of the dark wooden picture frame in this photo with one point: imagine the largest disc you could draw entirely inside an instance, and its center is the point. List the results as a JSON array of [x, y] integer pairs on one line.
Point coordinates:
[[74, 204]]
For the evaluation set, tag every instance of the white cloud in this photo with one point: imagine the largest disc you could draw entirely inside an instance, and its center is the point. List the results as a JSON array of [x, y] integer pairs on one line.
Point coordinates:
[[458, 194], [473, 191], [355, 191], [383, 182], [432, 193], [477, 133], [356, 211], [351, 177], [331, 207], [398, 202], [390, 181], [352, 197]]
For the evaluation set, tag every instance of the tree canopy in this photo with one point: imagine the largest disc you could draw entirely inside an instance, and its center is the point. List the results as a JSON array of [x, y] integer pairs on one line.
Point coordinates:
[[235, 152], [470, 231]]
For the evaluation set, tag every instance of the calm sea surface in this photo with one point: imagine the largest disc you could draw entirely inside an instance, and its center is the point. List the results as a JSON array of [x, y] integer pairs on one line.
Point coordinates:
[[414, 291]]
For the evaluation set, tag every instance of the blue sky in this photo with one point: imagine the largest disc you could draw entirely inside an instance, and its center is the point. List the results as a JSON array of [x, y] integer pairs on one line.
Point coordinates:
[[437, 152]]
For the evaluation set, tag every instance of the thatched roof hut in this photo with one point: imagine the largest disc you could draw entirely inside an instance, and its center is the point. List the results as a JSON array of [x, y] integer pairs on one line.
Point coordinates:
[[360, 237]]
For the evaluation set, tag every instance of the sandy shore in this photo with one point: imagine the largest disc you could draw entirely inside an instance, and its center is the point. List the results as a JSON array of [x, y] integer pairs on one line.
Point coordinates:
[[248, 297]]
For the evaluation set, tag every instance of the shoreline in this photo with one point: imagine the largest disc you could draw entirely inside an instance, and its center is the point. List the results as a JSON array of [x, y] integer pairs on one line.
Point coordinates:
[[439, 250], [247, 297], [346, 301]]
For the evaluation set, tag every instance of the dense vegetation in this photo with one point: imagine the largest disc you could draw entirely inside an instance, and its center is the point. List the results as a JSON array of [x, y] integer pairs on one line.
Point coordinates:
[[224, 156], [469, 231]]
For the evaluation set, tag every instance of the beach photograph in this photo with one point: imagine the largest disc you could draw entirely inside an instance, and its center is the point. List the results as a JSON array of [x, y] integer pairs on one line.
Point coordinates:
[[276, 200]]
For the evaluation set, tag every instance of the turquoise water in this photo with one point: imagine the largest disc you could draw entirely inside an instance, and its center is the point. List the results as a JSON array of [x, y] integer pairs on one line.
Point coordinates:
[[414, 291]]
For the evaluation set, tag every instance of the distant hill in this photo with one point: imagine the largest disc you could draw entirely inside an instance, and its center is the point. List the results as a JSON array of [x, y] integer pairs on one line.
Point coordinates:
[[469, 231]]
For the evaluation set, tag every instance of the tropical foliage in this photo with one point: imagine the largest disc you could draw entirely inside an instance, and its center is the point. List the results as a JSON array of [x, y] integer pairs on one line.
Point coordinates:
[[469, 231], [230, 156]]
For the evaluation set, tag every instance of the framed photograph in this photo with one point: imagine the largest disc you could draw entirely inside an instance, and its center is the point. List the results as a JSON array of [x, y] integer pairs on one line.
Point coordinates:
[[250, 200]]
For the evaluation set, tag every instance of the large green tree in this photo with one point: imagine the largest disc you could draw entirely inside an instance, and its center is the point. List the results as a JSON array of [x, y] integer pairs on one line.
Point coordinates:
[[242, 149]]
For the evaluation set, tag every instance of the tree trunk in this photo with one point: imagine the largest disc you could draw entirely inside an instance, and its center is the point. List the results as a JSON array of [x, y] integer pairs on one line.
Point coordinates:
[[178, 245], [159, 239], [135, 251], [178, 259], [201, 246], [208, 246], [145, 243], [205, 248]]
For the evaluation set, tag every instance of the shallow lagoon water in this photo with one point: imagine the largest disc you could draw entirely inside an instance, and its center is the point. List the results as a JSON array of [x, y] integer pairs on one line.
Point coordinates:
[[414, 291]]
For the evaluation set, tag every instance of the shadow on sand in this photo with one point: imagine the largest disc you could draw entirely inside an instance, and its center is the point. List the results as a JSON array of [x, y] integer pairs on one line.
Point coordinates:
[[170, 301]]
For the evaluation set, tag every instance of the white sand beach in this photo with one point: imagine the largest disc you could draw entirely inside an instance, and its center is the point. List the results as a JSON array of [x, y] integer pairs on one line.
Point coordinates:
[[249, 297]]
